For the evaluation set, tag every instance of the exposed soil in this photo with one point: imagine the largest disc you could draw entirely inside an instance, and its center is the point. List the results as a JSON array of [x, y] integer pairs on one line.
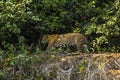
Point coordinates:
[[104, 66], [76, 66]]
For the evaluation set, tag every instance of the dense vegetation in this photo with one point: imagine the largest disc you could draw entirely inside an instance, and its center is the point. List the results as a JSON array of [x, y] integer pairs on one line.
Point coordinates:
[[23, 22]]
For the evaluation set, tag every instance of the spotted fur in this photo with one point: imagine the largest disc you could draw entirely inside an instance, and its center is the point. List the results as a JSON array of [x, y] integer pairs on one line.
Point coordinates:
[[62, 40]]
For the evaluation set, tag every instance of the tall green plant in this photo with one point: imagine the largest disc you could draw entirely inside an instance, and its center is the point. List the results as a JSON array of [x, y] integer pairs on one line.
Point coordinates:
[[98, 20]]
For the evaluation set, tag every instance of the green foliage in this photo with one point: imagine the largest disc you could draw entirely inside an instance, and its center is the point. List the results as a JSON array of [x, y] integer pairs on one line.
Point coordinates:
[[27, 20], [104, 28], [22, 22]]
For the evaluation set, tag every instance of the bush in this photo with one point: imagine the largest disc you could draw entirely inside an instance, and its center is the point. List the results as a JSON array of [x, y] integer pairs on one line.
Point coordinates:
[[98, 20]]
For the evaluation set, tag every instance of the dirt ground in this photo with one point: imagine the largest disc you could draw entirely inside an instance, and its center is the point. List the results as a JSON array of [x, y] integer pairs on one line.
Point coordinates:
[[75, 66], [104, 66]]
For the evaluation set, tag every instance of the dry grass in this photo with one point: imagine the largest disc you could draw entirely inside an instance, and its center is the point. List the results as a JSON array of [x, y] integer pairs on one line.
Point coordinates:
[[105, 66]]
